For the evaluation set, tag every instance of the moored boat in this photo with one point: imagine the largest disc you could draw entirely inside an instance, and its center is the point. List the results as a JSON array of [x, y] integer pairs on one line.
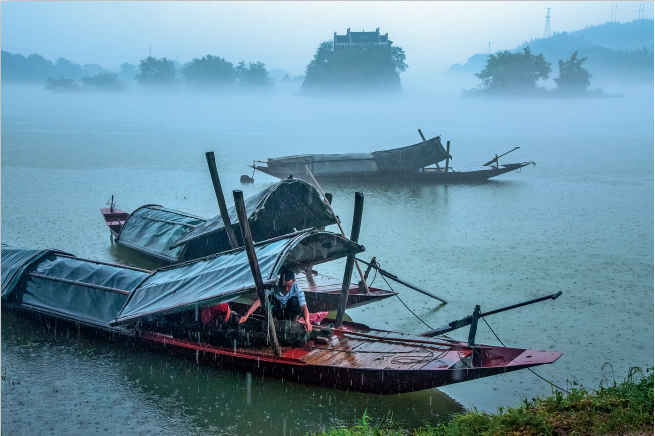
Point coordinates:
[[407, 163], [170, 236], [163, 309]]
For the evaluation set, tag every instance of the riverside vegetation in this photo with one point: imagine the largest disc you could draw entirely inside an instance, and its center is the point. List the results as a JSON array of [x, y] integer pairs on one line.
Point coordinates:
[[613, 408]]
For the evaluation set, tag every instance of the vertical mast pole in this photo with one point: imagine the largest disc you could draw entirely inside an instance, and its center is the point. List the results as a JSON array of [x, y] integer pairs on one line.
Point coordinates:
[[211, 162], [254, 267], [447, 154], [347, 275]]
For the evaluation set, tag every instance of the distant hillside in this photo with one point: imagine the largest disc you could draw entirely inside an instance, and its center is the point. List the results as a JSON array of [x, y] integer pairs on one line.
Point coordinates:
[[615, 51]]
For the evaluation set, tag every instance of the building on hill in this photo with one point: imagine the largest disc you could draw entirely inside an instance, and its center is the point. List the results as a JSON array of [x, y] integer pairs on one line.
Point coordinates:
[[361, 40]]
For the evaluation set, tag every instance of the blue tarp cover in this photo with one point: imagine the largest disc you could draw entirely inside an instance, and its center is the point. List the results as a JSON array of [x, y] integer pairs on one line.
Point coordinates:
[[224, 277], [72, 288], [14, 262], [152, 229]]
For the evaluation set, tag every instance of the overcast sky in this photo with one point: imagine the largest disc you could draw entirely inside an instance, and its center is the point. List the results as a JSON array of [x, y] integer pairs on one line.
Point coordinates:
[[285, 35]]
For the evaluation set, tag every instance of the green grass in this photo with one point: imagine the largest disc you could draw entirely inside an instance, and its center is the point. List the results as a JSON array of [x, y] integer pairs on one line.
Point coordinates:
[[613, 408]]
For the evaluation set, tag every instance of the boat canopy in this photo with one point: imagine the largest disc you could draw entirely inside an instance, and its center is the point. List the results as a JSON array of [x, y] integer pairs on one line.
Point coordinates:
[[15, 260], [224, 277], [412, 157], [152, 229], [284, 207], [405, 159], [61, 285]]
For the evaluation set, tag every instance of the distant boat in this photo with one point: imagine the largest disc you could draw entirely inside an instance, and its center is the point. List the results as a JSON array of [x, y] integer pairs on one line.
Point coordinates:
[[162, 310], [406, 163]]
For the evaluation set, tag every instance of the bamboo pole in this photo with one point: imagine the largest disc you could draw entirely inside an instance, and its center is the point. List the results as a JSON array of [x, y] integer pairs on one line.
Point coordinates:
[[254, 267], [411, 341], [329, 203], [347, 275], [211, 162], [447, 154]]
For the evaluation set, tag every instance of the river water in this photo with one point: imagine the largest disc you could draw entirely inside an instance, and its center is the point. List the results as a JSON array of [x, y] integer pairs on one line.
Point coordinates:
[[580, 222]]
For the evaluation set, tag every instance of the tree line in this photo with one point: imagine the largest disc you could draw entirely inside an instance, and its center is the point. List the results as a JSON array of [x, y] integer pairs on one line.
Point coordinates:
[[518, 73], [355, 69], [207, 72]]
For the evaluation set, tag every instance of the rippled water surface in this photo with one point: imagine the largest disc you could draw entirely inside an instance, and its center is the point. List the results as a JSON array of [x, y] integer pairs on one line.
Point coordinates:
[[580, 221]]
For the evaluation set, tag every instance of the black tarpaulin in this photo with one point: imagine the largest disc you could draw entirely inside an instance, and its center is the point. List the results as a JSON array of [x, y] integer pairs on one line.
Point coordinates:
[[224, 277], [287, 206], [410, 158]]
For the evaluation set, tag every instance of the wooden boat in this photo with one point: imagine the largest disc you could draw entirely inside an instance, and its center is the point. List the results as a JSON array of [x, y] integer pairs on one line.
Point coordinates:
[[170, 236], [114, 217], [162, 310], [406, 163]]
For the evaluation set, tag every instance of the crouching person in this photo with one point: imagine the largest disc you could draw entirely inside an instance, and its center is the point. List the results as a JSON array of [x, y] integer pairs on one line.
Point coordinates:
[[287, 302]]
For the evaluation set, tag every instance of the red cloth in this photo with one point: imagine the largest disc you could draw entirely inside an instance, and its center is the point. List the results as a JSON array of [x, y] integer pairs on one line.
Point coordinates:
[[219, 312], [314, 318]]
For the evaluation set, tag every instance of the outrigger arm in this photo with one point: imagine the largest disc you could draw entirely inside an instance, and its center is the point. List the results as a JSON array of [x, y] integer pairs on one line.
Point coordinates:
[[472, 320], [402, 282], [495, 159]]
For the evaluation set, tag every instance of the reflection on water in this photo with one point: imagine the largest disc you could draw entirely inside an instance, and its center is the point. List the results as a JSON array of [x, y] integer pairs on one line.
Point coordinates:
[[580, 222], [163, 394]]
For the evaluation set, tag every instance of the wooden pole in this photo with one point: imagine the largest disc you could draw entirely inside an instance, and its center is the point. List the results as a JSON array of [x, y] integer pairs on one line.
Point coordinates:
[[423, 138], [399, 280], [447, 154], [254, 267], [329, 203], [347, 275], [211, 162]]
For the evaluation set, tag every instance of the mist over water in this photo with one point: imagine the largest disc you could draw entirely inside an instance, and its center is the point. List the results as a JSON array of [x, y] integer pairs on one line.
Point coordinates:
[[580, 222]]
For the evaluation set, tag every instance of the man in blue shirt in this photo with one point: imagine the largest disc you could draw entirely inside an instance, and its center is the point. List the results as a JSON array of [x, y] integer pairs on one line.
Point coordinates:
[[287, 301]]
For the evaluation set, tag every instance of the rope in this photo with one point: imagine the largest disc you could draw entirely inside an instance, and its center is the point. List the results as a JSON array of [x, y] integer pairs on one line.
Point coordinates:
[[530, 369], [410, 310], [374, 277]]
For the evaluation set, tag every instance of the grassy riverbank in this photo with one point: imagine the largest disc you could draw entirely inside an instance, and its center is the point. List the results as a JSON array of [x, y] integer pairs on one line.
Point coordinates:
[[613, 408]]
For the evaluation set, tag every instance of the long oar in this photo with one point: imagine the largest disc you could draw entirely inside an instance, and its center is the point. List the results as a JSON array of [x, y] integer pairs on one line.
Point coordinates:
[[340, 228], [496, 158]]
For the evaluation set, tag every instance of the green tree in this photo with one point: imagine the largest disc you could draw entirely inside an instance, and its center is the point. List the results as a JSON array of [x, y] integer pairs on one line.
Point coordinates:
[[253, 75], [61, 84], [209, 71], [155, 71], [355, 69], [507, 72], [103, 82], [572, 77], [69, 69], [34, 68]]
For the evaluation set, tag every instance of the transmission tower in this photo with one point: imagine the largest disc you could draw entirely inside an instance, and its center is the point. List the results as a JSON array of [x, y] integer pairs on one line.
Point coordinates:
[[547, 33], [641, 11]]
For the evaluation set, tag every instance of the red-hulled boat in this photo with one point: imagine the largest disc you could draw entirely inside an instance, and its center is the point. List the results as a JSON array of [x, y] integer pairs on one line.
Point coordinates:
[[161, 310]]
